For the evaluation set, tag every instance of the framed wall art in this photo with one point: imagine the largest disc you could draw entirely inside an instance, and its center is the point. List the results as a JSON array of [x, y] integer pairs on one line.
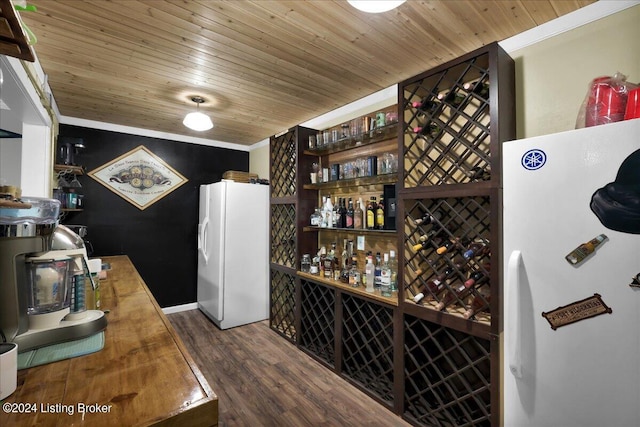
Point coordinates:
[[139, 176]]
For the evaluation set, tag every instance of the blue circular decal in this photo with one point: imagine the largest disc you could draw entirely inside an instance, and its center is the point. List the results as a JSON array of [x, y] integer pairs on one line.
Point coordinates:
[[533, 159]]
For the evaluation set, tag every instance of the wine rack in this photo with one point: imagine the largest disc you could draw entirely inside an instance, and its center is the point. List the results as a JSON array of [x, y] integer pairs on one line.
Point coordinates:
[[447, 376], [455, 118], [367, 346], [434, 360], [290, 205], [317, 328], [283, 304]]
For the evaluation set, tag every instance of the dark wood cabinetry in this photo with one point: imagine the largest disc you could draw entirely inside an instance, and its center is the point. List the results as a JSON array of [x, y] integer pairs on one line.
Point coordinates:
[[451, 176], [434, 362]]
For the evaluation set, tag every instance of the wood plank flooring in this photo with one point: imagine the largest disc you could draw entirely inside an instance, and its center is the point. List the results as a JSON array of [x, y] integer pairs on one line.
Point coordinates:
[[263, 380]]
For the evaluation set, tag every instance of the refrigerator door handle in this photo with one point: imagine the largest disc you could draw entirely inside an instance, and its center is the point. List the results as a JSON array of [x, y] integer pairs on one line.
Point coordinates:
[[202, 239], [513, 330]]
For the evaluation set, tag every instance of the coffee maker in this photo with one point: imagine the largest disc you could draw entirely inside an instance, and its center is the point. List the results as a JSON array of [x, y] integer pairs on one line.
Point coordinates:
[[37, 256]]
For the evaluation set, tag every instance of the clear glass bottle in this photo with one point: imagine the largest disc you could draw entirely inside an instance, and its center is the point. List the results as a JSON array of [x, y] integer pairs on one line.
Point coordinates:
[[393, 266], [369, 271], [305, 263], [385, 277]]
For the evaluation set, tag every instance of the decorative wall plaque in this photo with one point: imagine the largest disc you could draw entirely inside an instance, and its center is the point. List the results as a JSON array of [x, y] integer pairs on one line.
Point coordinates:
[[139, 176], [576, 311]]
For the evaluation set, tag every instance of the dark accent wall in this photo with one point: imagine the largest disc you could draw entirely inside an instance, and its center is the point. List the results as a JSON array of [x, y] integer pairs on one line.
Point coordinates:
[[161, 239]]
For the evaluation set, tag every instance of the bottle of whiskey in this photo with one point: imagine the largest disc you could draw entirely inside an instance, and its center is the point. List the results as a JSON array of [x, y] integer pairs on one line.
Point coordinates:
[[354, 273]]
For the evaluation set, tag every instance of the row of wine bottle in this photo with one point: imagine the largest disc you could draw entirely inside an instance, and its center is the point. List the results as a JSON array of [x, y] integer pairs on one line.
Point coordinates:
[[432, 104], [448, 288]]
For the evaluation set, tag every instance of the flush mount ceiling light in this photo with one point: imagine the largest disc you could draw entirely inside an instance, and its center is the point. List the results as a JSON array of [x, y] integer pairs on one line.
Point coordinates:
[[375, 6], [197, 120]]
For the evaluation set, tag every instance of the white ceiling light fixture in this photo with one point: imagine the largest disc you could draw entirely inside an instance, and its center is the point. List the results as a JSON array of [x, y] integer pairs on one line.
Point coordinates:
[[375, 6], [197, 120]]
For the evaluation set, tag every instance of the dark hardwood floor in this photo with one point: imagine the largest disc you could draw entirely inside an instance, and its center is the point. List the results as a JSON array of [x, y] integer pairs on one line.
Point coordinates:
[[263, 380]]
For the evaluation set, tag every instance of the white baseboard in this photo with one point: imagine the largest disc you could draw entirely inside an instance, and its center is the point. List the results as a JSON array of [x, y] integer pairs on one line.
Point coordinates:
[[179, 308]]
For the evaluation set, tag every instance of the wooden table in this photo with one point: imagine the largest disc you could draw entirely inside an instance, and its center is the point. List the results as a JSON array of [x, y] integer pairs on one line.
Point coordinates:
[[143, 375]]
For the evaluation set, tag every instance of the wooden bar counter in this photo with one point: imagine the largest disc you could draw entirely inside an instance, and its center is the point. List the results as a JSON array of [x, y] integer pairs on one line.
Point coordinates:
[[143, 375]]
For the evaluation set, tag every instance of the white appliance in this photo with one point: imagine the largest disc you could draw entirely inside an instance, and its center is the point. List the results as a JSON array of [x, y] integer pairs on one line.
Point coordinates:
[[233, 253], [586, 373]]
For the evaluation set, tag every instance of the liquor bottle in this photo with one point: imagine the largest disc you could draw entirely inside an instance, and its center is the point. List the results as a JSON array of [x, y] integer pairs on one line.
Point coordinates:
[[350, 214], [342, 220], [346, 262], [475, 249], [479, 303], [428, 218], [380, 214], [393, 266], [478, 87], [323, 209], [336, 212], [459, 293], [371, 215], [354, 273], [377, 271], [433, 287], [364, 212], [316, 218], [328, 266], [357, 217], [369, 271], [584, 250], [336, 261], [385, 277], [322, 254], [329, 212]]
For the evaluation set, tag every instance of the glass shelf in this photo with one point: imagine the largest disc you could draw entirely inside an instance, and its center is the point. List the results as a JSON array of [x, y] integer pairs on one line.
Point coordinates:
[[390, 178], [375, 136]]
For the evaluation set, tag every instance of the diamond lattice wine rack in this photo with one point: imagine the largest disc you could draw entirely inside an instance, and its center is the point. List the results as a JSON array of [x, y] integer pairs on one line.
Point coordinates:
[[455, 118]]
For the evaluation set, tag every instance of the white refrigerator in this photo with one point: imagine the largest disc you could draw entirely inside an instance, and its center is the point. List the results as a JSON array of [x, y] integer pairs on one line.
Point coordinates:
[[233, 252], [572, 331]]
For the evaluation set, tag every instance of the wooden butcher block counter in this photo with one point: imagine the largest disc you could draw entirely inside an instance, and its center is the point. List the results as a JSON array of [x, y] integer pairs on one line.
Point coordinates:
[[143, 375]]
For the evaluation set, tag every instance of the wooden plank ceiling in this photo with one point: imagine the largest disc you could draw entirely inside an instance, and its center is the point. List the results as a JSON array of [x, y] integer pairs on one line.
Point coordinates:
[[263, 66]]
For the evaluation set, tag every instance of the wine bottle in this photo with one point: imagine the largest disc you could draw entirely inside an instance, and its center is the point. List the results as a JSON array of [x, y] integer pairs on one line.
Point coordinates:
[[452, 98], [432, 288], [427, 105], [478, 277], [475, 249], [479, 303], [478, 87], [430, 129], [452, 295], [479, 173], [449, 244], [430, 239], [428, 218], [584, 250]]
